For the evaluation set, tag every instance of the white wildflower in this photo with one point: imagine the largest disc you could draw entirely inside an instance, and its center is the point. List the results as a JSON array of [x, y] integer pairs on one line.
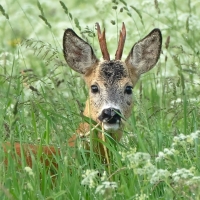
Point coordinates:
[[189, 139], [161, 156], [104, 176], [195, 135], [193, 180], [141, 196], [147, 169], [127, 154], [196, 178], [9, 111], [182, 137], [176, 178], [29, 171], [29, 186], [182, 174], [176, 101], [89, 178], [138, 159], [141, 157], [185, 139], [169, 151], [159, 175], [101, 189]]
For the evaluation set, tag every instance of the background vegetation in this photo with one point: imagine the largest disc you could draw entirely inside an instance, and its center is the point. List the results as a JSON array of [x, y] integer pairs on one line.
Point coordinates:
[[41, 100]]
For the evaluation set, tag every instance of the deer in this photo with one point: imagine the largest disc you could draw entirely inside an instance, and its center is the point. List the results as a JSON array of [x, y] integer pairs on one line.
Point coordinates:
[[110, 83]]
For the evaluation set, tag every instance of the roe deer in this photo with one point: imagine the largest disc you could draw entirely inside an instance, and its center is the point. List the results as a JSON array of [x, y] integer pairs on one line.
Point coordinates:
[[110, 84]]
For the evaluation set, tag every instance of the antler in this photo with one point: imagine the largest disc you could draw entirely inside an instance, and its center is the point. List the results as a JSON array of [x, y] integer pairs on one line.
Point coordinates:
[[121, 42], [102, 42]]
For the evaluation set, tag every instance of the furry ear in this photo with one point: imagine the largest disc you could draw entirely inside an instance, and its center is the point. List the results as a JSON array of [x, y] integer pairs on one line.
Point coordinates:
[[145, 53], [78, 53]]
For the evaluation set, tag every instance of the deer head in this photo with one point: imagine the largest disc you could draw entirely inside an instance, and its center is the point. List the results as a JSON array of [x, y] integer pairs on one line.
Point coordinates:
[[110, 82]]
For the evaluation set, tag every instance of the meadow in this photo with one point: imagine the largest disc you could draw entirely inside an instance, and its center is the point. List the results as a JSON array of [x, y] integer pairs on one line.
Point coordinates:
[[41, 100]]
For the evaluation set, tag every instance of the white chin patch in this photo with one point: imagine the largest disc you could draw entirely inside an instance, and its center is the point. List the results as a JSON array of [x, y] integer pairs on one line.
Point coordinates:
[[109, 127]]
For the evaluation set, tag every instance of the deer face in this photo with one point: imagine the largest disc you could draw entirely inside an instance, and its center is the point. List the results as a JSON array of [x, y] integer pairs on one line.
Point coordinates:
[[110, 82], [110, 93]]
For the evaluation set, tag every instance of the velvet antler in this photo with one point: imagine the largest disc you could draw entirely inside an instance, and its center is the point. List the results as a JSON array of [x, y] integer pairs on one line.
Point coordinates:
[[121, 43], [102, 42]]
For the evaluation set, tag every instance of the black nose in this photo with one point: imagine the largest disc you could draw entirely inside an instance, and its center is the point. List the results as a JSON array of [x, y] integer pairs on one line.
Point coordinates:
[[110, 115]]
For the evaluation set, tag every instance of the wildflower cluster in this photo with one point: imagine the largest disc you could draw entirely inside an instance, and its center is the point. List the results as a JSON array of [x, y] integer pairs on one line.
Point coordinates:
[[185, 178], [138, 161], [141, 197], [178, 141], [105, 186], [141, 164], [165, 154], [182, 174], [28, 185], [29, 171], [92, 179], [159, 175], [178, 178], [185, 139]]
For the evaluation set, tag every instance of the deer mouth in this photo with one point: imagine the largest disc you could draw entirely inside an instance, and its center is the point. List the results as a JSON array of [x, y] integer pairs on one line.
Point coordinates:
[[111, 126], [111, 118]]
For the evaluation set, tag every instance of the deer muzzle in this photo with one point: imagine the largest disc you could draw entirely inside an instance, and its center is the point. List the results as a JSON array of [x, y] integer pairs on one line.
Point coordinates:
[[110, 116]]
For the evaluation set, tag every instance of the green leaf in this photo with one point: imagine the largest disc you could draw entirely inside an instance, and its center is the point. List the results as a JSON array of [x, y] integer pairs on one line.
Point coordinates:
[[64, 7], [3, 12]]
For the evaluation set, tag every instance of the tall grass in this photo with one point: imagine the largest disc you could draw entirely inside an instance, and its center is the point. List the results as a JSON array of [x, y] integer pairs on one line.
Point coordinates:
[[41, 101]]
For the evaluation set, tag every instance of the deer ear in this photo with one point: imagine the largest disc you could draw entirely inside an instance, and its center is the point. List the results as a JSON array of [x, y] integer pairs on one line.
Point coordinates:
[[145, 53], [78, 53]]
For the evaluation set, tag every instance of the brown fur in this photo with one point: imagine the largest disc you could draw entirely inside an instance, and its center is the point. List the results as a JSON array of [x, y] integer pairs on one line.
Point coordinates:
[[46, 154]]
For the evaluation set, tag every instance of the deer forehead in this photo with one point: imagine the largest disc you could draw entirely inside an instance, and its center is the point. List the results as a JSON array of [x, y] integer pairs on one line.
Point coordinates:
[[110, 74]]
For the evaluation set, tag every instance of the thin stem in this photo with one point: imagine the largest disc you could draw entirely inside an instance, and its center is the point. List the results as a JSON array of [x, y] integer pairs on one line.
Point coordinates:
[[105, 149]]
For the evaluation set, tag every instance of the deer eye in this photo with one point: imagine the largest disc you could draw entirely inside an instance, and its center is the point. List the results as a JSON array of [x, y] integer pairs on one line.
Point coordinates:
[[94, 89], [128, 90]]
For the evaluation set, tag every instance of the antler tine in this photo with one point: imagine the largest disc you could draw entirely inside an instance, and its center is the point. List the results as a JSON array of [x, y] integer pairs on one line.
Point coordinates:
[[102, 42], [121, 43]]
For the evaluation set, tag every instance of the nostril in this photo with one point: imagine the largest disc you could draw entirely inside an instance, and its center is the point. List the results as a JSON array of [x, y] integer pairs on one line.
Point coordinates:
[[107, 111], [110, 115], [115, 112]]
